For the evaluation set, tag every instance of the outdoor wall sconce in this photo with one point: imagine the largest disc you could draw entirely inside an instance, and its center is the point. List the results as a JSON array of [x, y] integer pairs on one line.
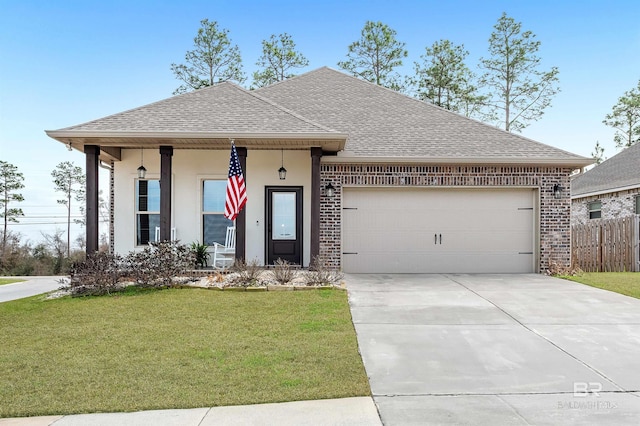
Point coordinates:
[[142, 172], [329, 190], [282, 172], [69, 147], [557, 191]]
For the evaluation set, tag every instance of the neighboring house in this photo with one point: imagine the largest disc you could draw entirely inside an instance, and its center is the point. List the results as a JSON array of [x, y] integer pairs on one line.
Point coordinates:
[[376, 181], [609, 190]]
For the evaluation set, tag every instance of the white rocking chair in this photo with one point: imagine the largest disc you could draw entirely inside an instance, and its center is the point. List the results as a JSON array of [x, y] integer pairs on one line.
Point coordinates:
[[225, 255], [156, 237]]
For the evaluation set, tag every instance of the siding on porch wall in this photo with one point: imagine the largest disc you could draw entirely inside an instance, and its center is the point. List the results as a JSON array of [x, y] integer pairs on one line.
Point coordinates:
[[554, 224], [189, 168]]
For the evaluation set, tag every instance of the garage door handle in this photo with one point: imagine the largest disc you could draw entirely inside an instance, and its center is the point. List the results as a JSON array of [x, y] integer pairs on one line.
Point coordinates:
[[435, 238], [440, 238]]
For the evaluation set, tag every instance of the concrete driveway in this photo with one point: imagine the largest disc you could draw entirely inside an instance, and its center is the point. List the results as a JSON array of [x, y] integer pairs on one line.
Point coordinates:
[[29, 287], [497, 349]]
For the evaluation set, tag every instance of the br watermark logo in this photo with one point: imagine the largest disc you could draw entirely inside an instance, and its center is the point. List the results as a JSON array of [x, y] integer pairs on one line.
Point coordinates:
[[584, 389], [587, 397]]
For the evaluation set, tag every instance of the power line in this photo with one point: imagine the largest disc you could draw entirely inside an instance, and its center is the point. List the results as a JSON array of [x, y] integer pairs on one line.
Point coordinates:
[[47, 223]]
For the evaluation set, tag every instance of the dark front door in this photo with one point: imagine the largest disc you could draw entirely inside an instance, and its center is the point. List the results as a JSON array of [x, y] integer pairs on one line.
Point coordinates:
[[284, 224]]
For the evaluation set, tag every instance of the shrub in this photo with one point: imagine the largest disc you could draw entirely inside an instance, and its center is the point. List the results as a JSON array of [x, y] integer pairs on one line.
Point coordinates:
[[98, 274], [201, 254], [246, 274], [283, 272], [558, 269], [320, 274], [157, 264]]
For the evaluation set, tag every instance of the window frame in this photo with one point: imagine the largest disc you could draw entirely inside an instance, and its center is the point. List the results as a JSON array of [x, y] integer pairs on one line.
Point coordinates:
[[637, 200], [591, 211], [203, 212], [138, 212]]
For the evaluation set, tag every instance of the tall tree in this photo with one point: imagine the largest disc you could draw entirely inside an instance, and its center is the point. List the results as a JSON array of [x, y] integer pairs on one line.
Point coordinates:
[[10, 182], [214, 59], [598, 153], [69, 179], [625, 118], [520, 91], [279, 56], [445, 80], [375, 56]]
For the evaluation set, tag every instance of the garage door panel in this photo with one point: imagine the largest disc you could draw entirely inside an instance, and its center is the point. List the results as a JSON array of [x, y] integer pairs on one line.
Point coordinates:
[[409, 230], [496, 240]]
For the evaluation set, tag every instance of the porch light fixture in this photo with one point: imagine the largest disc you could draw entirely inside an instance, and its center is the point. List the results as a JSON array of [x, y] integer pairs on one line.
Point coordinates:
[[142, 172], [69, 147], [282, 172], [557, 191], [329, 190]]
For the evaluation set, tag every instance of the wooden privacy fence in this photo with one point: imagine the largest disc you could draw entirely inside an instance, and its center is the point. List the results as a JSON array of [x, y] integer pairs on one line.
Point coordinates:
[[607, 245]]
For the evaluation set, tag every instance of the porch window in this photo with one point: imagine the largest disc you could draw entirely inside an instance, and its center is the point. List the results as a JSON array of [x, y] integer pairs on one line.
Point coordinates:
[[147, 209], [595, 210], [214, 224], [638, 204]]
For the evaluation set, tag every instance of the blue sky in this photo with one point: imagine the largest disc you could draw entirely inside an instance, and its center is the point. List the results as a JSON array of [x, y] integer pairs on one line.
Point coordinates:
[[67, 62]]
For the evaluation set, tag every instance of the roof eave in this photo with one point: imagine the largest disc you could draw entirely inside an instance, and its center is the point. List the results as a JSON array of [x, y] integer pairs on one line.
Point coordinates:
[[605, 191], [334, 141], [567, 162]]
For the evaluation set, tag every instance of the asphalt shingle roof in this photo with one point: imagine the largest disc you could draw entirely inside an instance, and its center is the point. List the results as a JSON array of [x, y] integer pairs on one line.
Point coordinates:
[[620, 171], [381, 122], [224, 107]]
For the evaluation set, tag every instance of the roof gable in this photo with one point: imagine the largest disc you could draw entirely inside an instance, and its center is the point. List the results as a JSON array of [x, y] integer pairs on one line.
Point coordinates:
[[620, 171], [384, 123]]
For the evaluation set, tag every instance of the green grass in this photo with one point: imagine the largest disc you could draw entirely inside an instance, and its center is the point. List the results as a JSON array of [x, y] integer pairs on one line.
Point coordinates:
[[627, 283], [175, 349], [9, 281]]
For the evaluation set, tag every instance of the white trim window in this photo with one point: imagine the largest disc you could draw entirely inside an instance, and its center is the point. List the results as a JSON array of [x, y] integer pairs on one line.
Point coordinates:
[[595, 209], [147, 210], [214, 224]]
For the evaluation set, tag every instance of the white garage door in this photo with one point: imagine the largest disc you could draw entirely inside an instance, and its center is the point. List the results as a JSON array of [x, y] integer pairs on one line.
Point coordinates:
[[400, 230]]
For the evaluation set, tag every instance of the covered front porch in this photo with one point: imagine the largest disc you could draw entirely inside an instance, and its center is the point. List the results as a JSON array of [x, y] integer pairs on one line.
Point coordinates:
[[183, 168]]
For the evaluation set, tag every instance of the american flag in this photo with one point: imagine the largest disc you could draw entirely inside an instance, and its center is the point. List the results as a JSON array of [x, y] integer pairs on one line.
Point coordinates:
[[236, 192]]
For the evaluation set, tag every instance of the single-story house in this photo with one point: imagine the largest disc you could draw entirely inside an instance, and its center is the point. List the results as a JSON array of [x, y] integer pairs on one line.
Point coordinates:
[[375, 181], [608, 191]]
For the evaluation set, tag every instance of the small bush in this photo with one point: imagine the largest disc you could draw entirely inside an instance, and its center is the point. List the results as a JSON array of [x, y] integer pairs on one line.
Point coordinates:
[[157, 264], [246, 274], [98, 274], [201, 254], [320, 274], [558, 269], [282, 272]]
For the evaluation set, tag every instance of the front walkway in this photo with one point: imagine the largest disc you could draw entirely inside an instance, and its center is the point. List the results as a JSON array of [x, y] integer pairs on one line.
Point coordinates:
[[497, 349]]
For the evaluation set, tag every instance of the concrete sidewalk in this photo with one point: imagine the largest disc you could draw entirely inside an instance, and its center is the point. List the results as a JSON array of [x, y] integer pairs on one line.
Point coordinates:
[[347, 411]]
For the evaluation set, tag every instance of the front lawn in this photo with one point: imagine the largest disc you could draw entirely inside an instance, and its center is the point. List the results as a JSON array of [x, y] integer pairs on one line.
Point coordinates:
[[177, 348], [627, 283]]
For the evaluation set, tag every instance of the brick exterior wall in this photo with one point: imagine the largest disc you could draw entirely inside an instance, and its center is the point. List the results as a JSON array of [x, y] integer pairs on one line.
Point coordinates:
[[555, 214], [614, 205]]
